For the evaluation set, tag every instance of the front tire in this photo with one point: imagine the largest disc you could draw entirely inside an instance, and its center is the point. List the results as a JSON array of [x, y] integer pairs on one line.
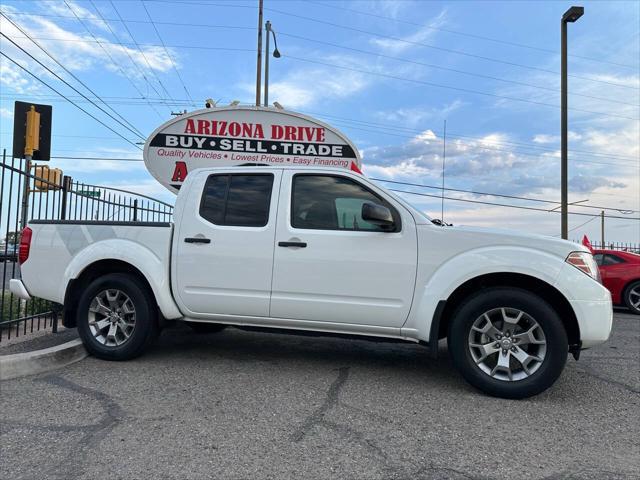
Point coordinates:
[[508, 342], [116, 317], [632, 297]]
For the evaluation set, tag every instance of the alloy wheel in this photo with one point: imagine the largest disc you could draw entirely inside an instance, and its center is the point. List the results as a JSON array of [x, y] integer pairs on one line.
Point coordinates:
[[507, 344], [634, 298], [112, 317]]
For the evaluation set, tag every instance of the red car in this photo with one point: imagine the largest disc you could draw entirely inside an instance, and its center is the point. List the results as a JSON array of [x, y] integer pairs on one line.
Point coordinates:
[[620, 273]]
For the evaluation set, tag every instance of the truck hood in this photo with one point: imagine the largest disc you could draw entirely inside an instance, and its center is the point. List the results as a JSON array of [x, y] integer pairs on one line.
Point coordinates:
[[470, 238]]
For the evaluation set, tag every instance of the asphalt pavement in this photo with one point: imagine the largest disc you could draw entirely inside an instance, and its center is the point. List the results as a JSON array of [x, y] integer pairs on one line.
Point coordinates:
[[255, 405]]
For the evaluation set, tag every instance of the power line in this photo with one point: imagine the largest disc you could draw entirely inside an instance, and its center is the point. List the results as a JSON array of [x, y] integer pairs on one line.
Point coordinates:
[[466, 34], [443, 49], [133, 129], [485, 147], [582, 224], [346, 123], [126, 50], [122, 45], [72, 136], [507, 205], [144, 22], [73, 88], [375, 34], [455, 70], [463, 72], [448, 87], [173, 63], [459, 135], [528, 145], [70, 101], [140, 50], [113, 62], [513, 197]]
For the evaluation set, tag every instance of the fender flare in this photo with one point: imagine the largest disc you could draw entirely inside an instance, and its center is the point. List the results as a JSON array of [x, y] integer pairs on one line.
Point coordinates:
[[154, 270], [424, 319]]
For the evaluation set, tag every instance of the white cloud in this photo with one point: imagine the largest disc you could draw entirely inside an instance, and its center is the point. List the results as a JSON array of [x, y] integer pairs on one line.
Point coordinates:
[[625, 141], [414, 116], [302, 88], [76, 51], [93, 166], [543, 138], [487, 163], [61, 9], [14, 79], [423, 34], [5, 113]]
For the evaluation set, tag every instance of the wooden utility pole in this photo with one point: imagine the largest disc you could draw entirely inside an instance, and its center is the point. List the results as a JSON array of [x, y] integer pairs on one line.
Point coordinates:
[[602, 227], [259, 65]]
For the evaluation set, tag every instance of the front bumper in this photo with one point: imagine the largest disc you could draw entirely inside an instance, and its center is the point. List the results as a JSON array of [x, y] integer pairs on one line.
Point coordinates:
[[595, 319], [18, 289], [591, 303]]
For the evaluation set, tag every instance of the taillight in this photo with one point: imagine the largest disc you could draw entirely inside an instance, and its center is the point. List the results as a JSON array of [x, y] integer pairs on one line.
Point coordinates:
[[25, 245]]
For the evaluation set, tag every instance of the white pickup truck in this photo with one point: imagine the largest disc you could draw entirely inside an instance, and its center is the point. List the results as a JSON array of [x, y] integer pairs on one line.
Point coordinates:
[[327, 251]]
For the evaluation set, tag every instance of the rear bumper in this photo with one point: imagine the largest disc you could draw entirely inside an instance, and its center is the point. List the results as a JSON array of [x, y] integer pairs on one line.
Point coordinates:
[[595, 319], [18, 289]]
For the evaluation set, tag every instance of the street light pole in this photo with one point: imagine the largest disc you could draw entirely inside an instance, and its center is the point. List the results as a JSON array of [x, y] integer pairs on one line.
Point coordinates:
[[276, 54], [571, 15]]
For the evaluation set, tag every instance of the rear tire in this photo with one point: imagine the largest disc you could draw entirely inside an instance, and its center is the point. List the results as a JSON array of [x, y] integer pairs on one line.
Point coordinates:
[[201, 327], [117, 317], [631, 297], [493, 330]]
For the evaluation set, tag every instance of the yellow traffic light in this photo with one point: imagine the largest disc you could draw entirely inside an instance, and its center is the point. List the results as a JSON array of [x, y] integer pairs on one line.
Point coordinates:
[[47, 178], [32, 137]]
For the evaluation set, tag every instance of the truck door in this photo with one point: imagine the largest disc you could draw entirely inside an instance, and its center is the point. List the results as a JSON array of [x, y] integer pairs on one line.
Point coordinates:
[[223, 251], [332, 266]]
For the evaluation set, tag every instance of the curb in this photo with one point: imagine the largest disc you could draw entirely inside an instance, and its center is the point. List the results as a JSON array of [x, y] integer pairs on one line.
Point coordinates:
[[39, 361]]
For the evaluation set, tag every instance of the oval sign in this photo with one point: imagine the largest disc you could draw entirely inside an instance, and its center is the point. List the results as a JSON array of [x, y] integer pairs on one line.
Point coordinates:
[[234, 136]]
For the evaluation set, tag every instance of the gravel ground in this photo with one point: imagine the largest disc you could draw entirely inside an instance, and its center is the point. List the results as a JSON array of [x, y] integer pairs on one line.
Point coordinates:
[[254, 405]]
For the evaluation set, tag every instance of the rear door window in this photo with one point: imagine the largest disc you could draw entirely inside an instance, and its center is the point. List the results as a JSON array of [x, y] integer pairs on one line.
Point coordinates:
[[241, 200]]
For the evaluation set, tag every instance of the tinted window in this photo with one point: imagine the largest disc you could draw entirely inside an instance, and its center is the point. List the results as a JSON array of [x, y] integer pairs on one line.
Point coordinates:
[[599, 258], [332, 203], [238, 200], [212, 205], [612, 259]]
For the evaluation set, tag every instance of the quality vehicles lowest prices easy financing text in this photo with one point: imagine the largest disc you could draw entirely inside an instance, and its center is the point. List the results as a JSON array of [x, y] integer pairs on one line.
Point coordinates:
[[325, 250]]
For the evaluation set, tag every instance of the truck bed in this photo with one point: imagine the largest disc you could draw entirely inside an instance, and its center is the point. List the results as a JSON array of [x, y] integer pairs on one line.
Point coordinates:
[[59, 247]]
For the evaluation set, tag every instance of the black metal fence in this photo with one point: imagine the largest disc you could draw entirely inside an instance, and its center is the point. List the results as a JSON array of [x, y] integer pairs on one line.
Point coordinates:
[[45, 194], [623, 246]]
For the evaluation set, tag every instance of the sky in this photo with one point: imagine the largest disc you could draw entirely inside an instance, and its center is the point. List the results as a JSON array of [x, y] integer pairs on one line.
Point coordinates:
[[388, 74]]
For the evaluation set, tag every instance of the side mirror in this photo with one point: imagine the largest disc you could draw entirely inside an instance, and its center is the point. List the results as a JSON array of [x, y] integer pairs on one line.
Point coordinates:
[[377, 214]]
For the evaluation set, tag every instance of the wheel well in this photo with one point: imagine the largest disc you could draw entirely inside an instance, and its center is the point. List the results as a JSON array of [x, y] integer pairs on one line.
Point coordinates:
[[88, 275], [559, 303]]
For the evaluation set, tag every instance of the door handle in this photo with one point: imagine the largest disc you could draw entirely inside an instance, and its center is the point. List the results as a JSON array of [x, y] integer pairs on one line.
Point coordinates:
[[197, 240], [292, 244]]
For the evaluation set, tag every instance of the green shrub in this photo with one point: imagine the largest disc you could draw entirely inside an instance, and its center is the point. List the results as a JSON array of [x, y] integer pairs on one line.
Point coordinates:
[[11, 307]]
